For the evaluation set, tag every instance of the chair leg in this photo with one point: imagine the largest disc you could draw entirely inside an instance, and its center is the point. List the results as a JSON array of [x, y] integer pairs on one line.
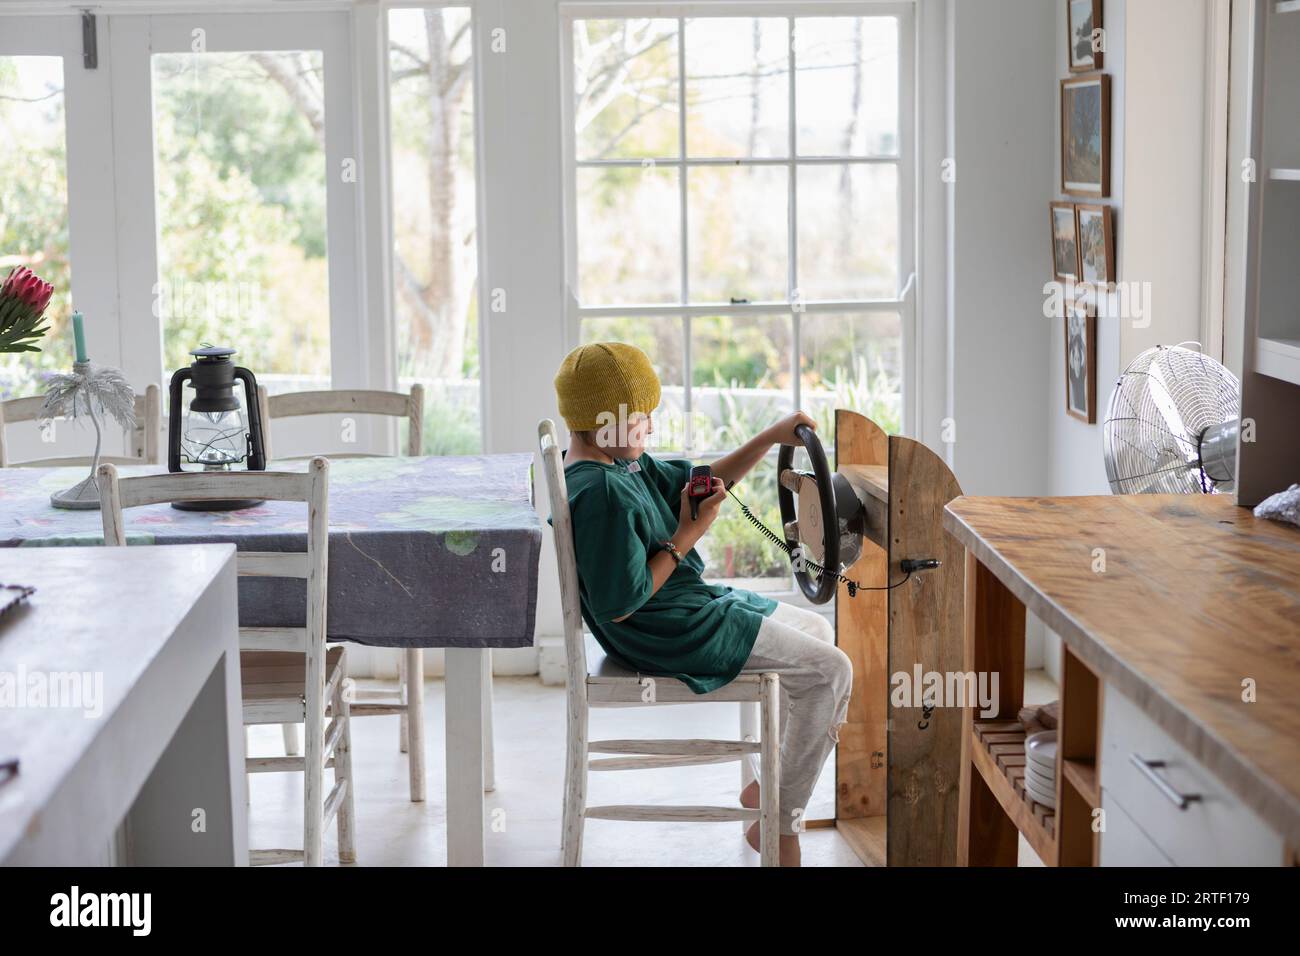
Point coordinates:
[[415, 720], [291, 746], [575, 785], [489, 748], [343, 772], [769, 810], [749, 733], [403, 738], [313, 761]]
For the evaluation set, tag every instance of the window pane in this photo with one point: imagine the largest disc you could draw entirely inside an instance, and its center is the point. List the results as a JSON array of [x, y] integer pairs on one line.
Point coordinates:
[[240, 175], [739, 225], [629, 244], [741, 378], [736, 552], [846, 86], [848, 231], [625, 88], [737, 87], [34, 208], [662, 340], [435, 249], [852, 361]]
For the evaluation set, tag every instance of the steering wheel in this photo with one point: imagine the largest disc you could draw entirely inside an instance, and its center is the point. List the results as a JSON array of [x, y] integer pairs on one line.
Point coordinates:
[[818, 524]]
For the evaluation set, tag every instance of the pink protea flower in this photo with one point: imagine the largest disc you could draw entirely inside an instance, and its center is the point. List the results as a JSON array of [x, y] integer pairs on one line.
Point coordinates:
[[24, 297]]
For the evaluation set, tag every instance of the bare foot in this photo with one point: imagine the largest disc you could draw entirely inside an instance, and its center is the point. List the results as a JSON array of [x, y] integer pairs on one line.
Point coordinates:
[[789, 846], [749, 796]]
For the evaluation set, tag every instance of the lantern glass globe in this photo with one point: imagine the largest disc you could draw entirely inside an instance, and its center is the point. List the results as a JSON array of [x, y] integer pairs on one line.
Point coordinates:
[[215, 440]]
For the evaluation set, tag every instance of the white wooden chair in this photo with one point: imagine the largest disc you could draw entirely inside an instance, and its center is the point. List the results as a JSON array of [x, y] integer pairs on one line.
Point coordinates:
[[597, 680], [144, 437], [409, 701], [288, 674]]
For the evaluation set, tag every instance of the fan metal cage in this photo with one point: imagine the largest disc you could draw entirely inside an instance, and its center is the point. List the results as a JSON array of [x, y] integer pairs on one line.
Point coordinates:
[[1162, 405]]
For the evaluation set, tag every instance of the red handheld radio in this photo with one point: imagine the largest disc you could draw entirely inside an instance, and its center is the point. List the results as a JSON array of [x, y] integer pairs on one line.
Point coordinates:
[[701, 487]]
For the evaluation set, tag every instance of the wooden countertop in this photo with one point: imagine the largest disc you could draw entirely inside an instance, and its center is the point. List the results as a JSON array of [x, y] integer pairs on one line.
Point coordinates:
[[1197, 595]]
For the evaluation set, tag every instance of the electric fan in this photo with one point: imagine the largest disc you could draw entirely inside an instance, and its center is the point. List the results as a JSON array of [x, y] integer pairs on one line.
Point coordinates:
[[1171, 426]]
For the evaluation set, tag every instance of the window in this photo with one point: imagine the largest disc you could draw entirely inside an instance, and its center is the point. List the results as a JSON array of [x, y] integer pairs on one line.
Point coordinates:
[[739, 196], [34, 207], [434, 219], [240, 191]]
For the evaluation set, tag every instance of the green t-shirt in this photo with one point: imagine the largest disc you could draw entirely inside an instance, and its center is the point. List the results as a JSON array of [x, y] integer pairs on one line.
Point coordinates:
[[699, 633]]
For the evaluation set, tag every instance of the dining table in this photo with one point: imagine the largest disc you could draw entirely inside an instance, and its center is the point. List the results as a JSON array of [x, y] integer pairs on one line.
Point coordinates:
[[424, 552]]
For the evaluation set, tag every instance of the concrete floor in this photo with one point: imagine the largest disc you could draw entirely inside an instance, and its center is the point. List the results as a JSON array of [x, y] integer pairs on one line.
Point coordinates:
[[524, 810]]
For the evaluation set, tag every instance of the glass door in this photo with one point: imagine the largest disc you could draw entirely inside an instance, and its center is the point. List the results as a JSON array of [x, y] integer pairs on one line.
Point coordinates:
[[253, 189]]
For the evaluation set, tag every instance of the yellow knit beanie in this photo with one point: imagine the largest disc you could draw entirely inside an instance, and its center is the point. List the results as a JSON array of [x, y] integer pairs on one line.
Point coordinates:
[[596, 379]]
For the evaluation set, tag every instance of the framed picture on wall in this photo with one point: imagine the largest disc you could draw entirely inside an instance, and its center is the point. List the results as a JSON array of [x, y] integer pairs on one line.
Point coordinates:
[[1081, 362], [1065, 242], [1085, 136], [1083, 18], [1096, 245]]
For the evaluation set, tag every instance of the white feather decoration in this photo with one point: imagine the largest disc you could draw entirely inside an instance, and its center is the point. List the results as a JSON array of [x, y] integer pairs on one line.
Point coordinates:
[[70, 395], [94, 391]]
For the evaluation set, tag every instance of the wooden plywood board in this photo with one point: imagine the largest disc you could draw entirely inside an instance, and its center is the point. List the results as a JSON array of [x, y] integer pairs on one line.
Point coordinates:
[[862, 632], [925, 629], [866, 835]]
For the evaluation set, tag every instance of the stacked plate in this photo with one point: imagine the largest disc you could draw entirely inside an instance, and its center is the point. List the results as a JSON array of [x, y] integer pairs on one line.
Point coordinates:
[[1040, 767]]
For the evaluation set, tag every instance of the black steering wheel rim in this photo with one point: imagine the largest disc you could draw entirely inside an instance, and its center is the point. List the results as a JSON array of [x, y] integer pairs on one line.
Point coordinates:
[[818, 588]]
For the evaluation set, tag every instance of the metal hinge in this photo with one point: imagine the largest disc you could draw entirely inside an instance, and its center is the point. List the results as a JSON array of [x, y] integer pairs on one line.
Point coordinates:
[[89, 41]]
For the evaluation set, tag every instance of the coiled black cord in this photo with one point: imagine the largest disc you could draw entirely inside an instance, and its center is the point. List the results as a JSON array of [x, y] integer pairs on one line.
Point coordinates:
[[853, 586]]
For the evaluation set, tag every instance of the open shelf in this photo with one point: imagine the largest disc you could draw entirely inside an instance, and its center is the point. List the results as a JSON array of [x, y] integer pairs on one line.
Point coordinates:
[[1278, 358], [998, 752]]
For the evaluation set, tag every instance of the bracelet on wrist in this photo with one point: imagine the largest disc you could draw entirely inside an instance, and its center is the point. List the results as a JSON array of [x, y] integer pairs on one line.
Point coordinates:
[[672, 551]]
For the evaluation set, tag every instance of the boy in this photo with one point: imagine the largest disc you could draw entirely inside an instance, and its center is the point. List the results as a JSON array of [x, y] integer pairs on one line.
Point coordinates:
[[640, 577]]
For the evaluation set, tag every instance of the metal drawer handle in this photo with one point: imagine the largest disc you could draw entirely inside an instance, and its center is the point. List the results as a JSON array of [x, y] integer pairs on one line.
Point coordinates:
[[1149, 768]]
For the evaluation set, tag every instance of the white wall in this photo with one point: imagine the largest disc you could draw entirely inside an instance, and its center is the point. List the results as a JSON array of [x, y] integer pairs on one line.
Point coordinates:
[[1165, 123], [1001, 139]]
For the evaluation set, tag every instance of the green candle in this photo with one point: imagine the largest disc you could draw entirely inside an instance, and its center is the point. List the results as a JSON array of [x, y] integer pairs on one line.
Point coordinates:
[[79, 336]]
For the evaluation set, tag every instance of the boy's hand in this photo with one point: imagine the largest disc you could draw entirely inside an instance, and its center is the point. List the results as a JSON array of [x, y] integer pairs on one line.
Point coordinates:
[[691, 530], [782, 433]]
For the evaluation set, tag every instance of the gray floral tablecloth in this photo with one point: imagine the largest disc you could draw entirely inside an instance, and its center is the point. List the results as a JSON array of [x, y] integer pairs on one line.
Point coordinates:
[[424, 552]]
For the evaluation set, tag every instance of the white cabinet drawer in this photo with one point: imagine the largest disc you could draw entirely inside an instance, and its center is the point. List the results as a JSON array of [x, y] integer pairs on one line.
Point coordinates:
[[1214, 828], [1122, 842]]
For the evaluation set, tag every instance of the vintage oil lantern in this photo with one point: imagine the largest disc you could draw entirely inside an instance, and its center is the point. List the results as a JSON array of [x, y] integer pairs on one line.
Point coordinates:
[[210, 433]]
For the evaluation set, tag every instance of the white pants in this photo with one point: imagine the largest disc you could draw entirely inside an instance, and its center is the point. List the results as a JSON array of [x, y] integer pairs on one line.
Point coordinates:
[[816, 680]]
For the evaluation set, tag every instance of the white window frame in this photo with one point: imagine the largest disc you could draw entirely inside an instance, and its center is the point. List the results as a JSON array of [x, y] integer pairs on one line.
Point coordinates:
[[903, 302]]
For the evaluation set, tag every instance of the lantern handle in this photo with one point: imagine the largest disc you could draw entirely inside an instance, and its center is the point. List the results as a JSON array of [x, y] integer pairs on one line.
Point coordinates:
[[256, 444], [174, 416]]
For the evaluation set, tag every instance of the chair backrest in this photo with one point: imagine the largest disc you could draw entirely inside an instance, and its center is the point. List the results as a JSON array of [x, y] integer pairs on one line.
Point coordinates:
[[349, 401], [575, 650], [310, 487], [145, 437]]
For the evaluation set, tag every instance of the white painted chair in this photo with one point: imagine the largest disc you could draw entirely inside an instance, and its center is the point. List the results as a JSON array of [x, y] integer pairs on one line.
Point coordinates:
[[596, 680], [288, 674], [409, 701], [144, 437]]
